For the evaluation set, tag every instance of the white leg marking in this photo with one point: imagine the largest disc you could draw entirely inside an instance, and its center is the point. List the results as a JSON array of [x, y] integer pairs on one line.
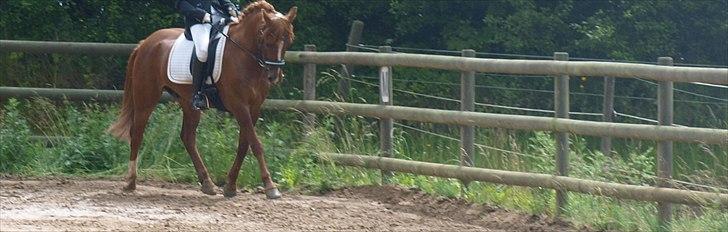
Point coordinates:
[[132, 168]]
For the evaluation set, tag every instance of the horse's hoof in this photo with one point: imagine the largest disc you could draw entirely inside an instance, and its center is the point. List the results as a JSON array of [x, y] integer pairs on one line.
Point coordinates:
[[130, 184], [209, 191], [273, 193], [129, 188], [229, 193]]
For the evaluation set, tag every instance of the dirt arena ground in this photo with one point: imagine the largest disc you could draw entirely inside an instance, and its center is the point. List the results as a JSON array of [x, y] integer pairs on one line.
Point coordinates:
[[59, 204]]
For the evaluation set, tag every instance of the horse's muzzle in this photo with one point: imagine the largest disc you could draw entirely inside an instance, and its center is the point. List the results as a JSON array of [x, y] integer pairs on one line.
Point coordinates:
[[275, 70]]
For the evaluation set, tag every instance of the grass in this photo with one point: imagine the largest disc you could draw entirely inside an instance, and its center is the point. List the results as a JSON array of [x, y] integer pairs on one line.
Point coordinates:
[[84, 149]]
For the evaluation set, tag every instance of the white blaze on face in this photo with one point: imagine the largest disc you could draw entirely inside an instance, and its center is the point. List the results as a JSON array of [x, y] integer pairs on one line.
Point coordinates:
[[280, 50], [279, 46]]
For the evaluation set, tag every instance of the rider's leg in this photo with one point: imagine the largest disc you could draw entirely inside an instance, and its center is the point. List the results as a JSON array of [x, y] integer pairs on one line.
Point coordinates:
[[201, 38]]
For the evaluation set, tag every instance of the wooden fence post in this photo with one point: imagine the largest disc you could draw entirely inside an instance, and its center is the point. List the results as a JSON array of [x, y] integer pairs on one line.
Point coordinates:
[[309, 87], [386, 131], [467, 103], [664, 148], [608, 113], [347, 69], [561, 106]]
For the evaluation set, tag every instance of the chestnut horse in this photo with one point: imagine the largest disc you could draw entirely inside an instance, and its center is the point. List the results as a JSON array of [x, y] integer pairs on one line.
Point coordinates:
[[250, 66]]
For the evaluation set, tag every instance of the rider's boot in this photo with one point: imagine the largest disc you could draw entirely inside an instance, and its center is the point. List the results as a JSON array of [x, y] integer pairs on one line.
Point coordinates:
[[199, 100]]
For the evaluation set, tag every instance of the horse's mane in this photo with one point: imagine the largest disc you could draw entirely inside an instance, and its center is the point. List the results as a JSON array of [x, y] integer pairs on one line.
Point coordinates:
[[264, 7], [257, 6]]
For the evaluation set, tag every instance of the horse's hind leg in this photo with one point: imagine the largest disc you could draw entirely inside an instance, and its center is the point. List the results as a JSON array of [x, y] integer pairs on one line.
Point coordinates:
[[191, 119], [144, 103]]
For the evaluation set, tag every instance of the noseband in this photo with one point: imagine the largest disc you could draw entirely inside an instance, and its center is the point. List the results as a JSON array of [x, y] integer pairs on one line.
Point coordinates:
[[268, 65]]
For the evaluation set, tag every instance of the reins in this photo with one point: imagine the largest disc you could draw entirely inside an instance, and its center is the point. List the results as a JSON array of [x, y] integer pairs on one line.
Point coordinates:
[[262, 62]]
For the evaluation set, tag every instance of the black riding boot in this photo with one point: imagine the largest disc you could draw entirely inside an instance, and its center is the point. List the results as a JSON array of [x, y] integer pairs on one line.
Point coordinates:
[[199, 100]]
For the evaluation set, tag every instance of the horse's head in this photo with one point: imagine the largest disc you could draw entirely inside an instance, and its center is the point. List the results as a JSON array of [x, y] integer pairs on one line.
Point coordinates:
[[264, 35], [274, 38]]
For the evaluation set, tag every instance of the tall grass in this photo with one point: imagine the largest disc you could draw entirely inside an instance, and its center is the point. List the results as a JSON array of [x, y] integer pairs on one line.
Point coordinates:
[[82, 148]]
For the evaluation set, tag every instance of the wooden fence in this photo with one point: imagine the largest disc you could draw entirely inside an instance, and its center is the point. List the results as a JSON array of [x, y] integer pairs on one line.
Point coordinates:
[[485, 120], [521, 67], [559, 68]]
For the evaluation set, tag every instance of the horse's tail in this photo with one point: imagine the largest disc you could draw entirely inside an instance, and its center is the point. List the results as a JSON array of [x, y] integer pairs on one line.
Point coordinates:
[[121, 127]]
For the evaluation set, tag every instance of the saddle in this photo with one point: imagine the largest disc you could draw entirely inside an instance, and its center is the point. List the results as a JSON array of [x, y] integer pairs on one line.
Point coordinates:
[[183, 54]]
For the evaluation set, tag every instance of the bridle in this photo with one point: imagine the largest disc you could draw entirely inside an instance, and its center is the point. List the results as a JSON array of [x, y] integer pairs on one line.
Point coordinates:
[[268, 65]]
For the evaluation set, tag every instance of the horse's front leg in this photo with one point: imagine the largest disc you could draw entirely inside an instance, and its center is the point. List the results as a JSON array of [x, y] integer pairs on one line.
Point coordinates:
[[231, 186], [247, 130], [191, 118]]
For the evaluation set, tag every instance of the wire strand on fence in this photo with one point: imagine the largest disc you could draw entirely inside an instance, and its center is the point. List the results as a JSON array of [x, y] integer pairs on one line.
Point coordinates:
[[452, 52], [643, 119], [545, 91], [364, 47], [636, 117], [721, 103], [685, 91], [508, 107], [476, 103], [530, 109], [710, 85], [622, 170], [455, 139]]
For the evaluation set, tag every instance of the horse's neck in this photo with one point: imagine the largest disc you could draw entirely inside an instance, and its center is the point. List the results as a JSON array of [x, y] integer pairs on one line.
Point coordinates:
[[245, 33]]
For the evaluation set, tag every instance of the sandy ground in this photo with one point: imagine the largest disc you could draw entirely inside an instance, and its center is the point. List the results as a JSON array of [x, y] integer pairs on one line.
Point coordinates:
[[100, 205]]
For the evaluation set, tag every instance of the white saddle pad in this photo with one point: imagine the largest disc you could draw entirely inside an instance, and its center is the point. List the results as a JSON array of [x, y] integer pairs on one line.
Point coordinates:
[[178, 68]]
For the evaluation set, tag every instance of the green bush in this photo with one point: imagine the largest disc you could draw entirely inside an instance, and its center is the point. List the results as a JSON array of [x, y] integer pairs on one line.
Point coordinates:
[[17, 150]]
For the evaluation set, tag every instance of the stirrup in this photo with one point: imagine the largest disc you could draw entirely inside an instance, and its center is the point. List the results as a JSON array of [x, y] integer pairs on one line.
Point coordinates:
[[199, 101]]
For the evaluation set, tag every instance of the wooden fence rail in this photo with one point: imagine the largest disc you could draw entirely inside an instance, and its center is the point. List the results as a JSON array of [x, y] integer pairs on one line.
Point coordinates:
[[487, 120], [525, 67], [643, 193], [66, 47], [70, 94], [518, 122], [521, 67]]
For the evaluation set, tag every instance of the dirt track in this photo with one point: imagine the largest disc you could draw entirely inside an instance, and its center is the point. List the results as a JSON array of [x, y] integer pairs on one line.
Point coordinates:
[[101, 205]]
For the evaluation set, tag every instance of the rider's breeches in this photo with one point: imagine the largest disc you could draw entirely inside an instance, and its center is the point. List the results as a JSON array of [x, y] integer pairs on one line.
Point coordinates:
[[201, 36]]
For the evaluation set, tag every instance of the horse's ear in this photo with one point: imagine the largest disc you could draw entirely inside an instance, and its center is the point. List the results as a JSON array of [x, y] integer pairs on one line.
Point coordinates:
[[266, 19], [292, 14]]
